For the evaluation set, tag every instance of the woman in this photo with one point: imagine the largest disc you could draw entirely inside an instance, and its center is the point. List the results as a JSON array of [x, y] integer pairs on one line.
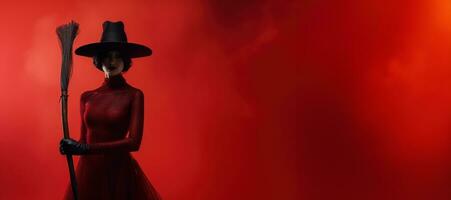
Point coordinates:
[[112, 125]]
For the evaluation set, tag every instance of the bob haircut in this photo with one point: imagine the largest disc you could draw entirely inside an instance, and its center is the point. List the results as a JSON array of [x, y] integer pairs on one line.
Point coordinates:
[[97, 60]]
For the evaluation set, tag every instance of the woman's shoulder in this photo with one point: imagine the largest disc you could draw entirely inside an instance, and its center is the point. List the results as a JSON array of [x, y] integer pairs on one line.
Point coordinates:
[[86, 94], [135, 91]]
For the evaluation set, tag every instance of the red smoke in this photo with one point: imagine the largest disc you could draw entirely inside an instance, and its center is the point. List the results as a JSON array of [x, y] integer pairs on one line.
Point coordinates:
[[245, 100]]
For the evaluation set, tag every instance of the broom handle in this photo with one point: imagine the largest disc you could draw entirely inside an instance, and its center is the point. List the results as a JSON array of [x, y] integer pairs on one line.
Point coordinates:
[[70, 161]]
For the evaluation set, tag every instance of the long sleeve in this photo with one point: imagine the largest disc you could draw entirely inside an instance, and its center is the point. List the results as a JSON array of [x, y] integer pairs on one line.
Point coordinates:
[[82, 111], [133, 141]]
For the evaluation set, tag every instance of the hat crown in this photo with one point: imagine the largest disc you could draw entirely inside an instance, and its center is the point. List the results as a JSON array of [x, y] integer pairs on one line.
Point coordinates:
[[113, 32]]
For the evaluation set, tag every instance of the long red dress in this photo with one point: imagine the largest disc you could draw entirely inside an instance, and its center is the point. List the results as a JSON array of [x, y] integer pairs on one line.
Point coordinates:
[[108, 171]]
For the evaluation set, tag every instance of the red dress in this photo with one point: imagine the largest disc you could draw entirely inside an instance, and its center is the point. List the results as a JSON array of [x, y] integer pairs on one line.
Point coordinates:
[[108, 171]]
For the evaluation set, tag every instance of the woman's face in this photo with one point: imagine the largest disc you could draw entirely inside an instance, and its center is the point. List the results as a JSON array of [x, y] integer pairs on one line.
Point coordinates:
[[112, 64]]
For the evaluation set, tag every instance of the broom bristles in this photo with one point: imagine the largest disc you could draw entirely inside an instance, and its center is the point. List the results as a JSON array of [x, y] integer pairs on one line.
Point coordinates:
[[66, 34]]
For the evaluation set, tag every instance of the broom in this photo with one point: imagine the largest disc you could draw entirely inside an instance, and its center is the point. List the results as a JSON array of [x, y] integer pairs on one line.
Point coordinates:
[[66, 34]]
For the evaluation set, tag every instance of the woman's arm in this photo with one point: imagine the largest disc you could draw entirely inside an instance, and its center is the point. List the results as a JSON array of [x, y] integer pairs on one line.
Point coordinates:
[[70, 146], [82, 122], [133, 141]]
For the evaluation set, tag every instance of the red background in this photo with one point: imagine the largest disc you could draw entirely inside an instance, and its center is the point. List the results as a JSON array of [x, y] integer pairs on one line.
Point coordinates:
[[245, 100]]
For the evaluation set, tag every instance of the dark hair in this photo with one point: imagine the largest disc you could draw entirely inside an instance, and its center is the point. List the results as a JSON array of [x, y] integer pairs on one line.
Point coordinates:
[[97, 60]]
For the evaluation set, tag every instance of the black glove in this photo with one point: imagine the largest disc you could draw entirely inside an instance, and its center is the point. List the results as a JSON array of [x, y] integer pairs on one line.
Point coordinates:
[[70, 146]]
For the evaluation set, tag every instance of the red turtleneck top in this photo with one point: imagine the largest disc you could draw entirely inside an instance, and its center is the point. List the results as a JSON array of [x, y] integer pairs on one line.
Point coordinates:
[[109, 113]]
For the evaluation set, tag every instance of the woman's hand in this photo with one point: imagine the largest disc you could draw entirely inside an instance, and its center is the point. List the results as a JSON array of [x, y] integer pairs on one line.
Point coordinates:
[[70, 146]]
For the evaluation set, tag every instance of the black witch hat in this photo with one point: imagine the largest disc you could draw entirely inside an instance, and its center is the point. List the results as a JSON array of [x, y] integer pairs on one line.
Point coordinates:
[[114, 38]]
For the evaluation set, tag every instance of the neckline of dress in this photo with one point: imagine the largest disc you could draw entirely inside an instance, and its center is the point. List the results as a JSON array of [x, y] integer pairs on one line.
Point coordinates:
[[117, 81]]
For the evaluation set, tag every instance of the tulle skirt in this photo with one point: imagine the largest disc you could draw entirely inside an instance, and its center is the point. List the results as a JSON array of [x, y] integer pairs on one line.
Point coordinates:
[[111, 177]]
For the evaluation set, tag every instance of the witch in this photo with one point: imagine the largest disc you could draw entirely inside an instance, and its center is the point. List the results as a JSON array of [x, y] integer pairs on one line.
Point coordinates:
[[112, 117]]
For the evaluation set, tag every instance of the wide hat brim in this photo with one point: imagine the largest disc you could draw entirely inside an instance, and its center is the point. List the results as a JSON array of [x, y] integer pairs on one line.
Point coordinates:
[[133, 50]]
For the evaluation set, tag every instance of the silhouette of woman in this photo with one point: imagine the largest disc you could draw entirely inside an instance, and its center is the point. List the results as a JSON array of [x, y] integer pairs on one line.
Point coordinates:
[[111, 126]]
